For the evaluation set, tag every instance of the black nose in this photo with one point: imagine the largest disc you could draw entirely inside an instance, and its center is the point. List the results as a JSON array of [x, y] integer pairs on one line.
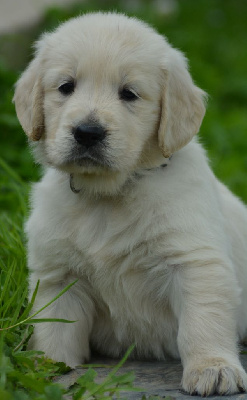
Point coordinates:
[[89, 135]]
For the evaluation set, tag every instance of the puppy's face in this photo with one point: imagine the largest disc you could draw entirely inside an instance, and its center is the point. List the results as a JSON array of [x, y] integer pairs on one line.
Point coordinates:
[[105, 96], [101, 100]]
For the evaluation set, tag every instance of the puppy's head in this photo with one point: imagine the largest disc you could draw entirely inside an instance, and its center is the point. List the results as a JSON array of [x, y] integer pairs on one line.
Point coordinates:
[[105, 96]]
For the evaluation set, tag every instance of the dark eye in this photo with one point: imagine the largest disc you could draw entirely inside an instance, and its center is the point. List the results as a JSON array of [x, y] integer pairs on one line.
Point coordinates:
[[127, 95], [67, 88]]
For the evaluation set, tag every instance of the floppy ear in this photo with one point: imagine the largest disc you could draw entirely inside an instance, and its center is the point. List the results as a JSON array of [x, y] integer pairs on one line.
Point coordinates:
[[182, 106], [28, 100]]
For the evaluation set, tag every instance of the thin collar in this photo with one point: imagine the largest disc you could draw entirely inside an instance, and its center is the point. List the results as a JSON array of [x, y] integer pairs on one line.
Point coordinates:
[[139, 173], [136, 175]]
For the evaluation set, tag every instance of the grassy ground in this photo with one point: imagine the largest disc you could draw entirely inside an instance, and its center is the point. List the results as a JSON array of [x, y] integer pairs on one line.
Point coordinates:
[[211, 33]]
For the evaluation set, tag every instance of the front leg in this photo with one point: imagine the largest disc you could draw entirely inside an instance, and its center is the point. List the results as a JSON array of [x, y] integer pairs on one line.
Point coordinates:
[[62, 341], [205, 299]]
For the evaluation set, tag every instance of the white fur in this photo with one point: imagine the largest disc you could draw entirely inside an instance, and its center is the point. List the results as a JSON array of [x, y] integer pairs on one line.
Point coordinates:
[[159, 252]]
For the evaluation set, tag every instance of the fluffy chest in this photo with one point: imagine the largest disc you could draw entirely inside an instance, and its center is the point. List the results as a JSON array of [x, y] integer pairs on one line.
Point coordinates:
[[130, 282], [118, 243], [121, 256]]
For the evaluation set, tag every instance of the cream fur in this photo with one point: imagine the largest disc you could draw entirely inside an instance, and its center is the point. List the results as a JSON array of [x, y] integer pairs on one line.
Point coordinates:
[[159, 252]]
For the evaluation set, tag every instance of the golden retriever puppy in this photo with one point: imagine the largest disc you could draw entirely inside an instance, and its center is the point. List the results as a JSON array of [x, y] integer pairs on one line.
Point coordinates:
[[129, 206]]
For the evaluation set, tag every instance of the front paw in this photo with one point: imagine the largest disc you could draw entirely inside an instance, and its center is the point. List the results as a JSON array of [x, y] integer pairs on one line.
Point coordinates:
[[214, 375], [58, 351]]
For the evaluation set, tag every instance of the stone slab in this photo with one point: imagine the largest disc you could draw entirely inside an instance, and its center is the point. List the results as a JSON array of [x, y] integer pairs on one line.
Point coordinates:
[[157, 378]]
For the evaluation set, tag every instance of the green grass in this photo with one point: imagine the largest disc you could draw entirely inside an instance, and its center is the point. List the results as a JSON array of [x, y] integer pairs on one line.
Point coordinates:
[[212, 34]]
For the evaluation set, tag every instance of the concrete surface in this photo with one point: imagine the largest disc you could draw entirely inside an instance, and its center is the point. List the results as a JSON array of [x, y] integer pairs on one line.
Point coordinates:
[[156, 378]]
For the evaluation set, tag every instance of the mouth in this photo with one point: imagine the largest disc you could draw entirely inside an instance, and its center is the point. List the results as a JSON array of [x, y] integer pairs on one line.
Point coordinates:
[[88, 159]]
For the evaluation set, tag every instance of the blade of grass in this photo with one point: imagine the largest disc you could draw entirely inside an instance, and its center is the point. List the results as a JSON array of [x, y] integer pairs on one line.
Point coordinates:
[[20, 305], [41, 320], [120, 364], [106, 382], [31, 303], [25, 321]]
